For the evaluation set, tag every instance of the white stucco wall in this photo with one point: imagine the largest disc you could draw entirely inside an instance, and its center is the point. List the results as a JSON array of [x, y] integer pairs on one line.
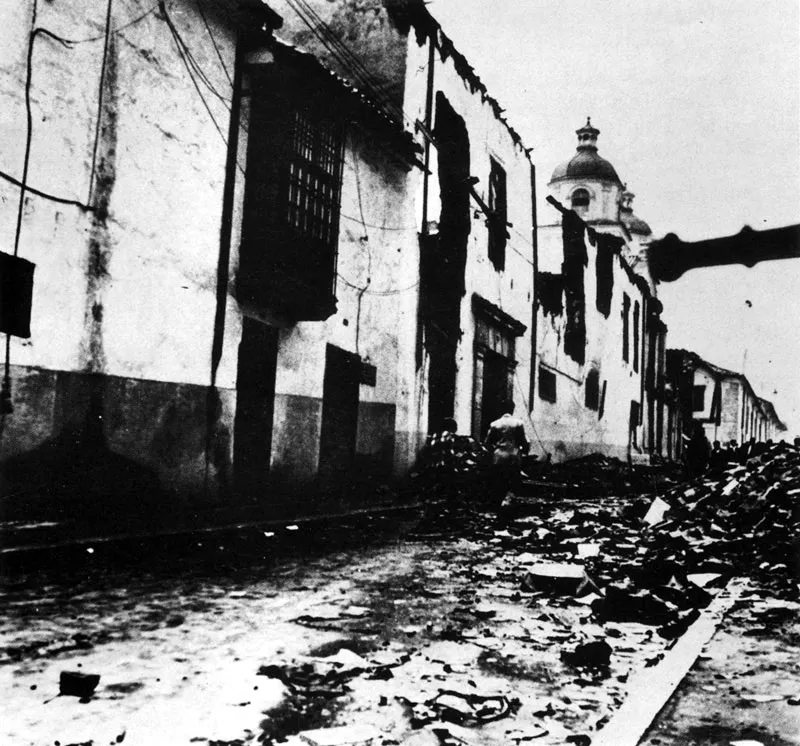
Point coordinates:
[[512, 288], [161, 238], [567, 428]]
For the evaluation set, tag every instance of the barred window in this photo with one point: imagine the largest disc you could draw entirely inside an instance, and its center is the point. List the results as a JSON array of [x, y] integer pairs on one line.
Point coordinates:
[[315, 167], [290, 225]]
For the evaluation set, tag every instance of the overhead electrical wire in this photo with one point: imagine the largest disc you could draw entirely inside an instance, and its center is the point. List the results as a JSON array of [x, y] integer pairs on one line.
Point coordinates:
[[181, 54], [44, 195], [382, 293], [337, 47], [190, 60], [345, 56], [214, 42], [118, 29], [378, 227]]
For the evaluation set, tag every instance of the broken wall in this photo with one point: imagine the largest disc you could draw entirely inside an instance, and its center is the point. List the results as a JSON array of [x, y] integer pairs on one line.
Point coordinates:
[[509, 289], [570, 427]]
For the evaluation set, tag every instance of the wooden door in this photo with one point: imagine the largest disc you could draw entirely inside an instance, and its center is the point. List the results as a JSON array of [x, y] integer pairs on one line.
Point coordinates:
[[255, 403], [337, 444]]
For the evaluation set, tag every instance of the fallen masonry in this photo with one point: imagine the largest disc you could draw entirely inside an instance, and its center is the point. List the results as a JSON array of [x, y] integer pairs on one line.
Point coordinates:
[[534, 627], [655, 566]]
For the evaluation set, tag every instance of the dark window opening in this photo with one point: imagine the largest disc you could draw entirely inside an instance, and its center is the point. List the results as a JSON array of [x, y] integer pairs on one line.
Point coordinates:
[[16, 295], [575, 259], [551, 293], [698, 398], [636, 336], [290, 230], [592, 390], [604, 269], [580, 199], [547, 384], [626, 311], [455, 221], [498, 218], [602, 408], [443, 258]]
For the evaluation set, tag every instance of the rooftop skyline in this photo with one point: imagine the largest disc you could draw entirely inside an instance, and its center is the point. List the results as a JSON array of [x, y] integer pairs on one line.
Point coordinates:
[[698, 105]]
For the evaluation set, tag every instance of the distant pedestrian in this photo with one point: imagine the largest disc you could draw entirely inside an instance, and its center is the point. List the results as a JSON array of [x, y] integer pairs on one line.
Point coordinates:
[[507, 443], [697, 452], [717, 460]]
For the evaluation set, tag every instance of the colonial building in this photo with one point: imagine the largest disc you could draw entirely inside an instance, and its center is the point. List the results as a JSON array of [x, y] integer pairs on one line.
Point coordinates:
[[265, 260], [722, 400], [601, 341], [470, 344]]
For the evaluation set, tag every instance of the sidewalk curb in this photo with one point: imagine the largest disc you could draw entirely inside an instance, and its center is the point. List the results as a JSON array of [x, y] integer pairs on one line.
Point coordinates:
[[650, 689], [204, 530]]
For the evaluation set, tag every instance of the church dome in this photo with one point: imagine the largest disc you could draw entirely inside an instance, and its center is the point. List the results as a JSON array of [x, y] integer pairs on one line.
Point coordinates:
[[586, 163]]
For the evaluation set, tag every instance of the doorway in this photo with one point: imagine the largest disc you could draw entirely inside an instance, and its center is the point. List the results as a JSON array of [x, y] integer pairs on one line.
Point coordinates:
[[337, 442], [255, 404]]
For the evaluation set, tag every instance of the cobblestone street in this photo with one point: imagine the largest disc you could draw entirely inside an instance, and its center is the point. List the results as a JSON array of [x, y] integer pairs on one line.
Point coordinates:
[[568, 615], [179, 648]]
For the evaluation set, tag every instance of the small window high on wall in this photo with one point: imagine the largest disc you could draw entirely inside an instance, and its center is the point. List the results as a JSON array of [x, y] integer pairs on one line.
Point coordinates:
[[698, 398], [626, 313], [580, 200], [547, 384], [498, 219], [592, 390]]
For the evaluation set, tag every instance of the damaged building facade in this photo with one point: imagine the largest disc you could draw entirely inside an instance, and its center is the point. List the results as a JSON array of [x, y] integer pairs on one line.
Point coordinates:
[[469, 348], [263, 260], [721, 400], [601, 342]]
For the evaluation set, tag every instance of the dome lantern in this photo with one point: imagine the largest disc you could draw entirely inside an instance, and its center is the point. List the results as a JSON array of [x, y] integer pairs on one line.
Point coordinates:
[[586, 163]]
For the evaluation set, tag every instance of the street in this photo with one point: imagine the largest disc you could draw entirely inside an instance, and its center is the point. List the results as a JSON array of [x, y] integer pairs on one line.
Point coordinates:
[[409, 635]]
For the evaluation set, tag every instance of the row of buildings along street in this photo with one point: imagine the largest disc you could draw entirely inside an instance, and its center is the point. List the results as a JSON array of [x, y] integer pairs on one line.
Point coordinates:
[[252, 261], [270, 270]]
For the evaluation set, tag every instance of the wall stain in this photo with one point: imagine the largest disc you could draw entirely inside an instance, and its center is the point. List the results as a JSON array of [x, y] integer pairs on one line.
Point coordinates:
[[100, 241]]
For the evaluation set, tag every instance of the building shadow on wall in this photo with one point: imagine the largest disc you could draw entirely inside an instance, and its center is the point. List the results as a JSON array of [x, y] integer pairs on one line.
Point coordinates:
[[75, 477]]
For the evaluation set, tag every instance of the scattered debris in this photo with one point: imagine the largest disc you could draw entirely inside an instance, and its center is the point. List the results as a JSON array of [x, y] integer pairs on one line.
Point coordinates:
[[343, 735], [559, 578], [77, 684], [656, 513], [592, 654], [469, 708]]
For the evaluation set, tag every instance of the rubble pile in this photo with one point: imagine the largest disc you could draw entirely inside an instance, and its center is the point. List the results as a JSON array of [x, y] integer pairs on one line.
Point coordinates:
[[745, 521], [658, 561], [596, 475]]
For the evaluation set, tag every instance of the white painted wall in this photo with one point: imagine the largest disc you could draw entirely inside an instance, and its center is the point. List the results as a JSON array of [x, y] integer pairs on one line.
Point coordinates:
[[165, 205], [512, 288], [567, 428]]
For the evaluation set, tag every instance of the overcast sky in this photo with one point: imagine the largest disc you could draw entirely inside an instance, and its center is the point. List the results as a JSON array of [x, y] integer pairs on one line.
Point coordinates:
[[698, 106]]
